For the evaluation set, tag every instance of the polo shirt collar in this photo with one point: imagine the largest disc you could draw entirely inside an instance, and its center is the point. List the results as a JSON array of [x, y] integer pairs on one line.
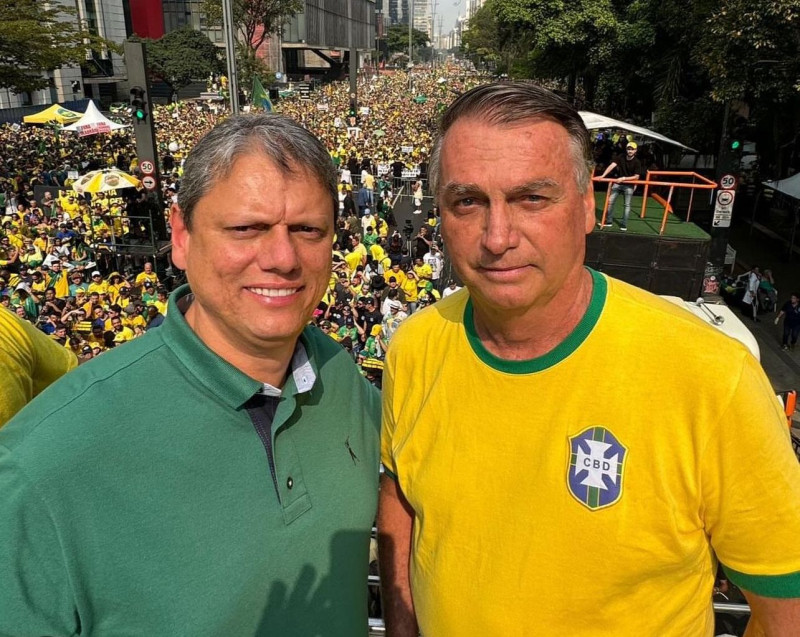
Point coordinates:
[[218, 376]]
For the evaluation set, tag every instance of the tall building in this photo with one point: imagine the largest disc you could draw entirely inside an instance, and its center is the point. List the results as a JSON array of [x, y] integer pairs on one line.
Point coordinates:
[[422, 16]]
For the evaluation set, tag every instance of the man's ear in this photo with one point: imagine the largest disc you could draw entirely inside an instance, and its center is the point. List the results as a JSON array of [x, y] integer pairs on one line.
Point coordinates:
[[180, 239]]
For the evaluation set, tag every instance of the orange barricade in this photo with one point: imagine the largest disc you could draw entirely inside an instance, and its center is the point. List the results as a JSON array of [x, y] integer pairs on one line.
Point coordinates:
[[653, 178]]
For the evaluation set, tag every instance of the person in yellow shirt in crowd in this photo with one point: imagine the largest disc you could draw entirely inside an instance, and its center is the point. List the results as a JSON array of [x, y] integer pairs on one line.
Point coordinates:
[[98, 284], [115, 284], [122, 334], [29, 362], [397, 273], [148, 274], [132, 318], [409, 287], [423, 271], [357, 255]]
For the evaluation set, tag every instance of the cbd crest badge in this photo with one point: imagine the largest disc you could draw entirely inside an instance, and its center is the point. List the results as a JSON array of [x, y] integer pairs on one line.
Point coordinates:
[[596, 467]]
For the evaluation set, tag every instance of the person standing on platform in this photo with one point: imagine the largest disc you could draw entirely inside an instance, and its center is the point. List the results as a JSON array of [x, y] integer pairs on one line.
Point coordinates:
[[628, 168], [535, 481]]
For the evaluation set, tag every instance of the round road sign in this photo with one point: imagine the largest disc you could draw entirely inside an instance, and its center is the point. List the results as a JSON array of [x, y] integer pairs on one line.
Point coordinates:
[[727, 182], [147, 167], [724, 198], [149, 182]]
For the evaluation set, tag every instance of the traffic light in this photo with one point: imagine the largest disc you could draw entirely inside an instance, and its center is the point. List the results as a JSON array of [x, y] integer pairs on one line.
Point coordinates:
[[352, 112], [138, 104], [739, 132]]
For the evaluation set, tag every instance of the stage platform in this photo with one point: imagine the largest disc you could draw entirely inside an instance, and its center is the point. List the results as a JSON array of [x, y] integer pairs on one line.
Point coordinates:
[[676, 227], [672, 263]]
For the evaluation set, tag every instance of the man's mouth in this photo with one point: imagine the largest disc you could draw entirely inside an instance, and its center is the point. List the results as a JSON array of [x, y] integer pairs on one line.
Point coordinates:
[[274, 292]]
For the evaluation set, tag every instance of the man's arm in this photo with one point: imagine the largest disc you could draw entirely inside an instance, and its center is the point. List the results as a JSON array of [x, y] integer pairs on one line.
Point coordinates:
[[395, 521], [772, 617], [608, 169]]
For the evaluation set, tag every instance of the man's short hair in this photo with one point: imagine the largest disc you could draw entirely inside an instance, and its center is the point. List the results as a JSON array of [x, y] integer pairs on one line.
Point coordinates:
[[282, 140], [512, 103]]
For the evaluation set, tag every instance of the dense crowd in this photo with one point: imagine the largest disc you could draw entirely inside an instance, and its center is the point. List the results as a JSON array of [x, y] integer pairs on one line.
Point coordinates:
[[65, 258]]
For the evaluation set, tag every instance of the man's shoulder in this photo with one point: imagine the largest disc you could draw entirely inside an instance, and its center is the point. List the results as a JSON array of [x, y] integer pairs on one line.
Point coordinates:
[[429, 323], [670, 322], [86, 397]]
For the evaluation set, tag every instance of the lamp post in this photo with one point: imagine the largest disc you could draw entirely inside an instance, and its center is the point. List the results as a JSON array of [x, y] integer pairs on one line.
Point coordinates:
[[230, 51]]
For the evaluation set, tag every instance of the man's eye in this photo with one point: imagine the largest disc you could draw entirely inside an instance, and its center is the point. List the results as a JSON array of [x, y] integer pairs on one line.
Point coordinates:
[[466, 202]]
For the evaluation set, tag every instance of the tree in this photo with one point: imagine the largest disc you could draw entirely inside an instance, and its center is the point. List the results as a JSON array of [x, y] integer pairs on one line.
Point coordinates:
[[181, 57], [397, 38], [37, 37], [255, 20]]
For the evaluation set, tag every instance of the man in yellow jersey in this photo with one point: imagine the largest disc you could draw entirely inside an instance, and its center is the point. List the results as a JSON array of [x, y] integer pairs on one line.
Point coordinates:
[[538, 480]]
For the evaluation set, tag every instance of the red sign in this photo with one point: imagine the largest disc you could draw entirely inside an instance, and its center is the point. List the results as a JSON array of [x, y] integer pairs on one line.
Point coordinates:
[[149, 182], [147, 167]]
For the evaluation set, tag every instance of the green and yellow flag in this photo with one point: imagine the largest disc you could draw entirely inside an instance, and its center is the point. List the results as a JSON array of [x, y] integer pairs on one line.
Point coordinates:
[[260, 95]]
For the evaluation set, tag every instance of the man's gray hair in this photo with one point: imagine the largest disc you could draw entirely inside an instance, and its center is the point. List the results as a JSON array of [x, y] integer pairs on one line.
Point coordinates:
[[511, 103], [280, 139]]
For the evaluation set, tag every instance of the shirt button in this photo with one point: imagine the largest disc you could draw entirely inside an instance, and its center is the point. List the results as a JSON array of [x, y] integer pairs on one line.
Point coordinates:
[[289, 482]]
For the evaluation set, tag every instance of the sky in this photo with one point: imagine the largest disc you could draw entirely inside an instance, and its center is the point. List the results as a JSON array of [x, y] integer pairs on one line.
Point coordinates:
[[450, 9]]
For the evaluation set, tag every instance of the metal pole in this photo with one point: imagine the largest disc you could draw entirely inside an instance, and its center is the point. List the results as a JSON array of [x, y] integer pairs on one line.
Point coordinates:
[[230, 50], [410, 29]]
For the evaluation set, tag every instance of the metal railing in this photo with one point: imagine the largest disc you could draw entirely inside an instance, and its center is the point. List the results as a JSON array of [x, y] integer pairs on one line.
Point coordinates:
[[698, 182]]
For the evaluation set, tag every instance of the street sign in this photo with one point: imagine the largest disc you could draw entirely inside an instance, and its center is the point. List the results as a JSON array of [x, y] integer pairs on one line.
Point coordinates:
[[147, 167], [727, 182], [149, 182], [723, 209], [724, 199]]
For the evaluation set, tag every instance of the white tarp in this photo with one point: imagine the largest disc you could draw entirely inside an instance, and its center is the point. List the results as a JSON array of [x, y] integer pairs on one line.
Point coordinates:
[[593, 121], [93, 122], [789, 186]]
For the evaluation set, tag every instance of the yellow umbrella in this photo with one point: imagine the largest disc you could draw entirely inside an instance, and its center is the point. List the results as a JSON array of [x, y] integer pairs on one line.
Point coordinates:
[[53, 114], [104, 180]]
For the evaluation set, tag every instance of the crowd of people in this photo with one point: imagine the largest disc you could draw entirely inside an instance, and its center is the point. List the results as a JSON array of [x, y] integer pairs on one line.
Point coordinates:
[[63, 262]]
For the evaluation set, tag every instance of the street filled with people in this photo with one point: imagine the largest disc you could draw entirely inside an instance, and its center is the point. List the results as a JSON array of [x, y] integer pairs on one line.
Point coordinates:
[[80, 265]]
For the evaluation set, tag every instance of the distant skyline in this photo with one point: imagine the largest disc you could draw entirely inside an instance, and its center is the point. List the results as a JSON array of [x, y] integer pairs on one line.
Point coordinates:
[[450, 9]]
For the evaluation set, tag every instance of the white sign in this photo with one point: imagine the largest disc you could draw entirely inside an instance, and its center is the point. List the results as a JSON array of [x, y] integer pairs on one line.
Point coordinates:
[[727, 182], [337, 122], [722, 219], [413, 173], [723, 209], [149, 182], [73, 175], [383, 169], [322, 107], [406, 149], [724, 199], [353, 132], [364, 110], [93, 129], [147, 167]]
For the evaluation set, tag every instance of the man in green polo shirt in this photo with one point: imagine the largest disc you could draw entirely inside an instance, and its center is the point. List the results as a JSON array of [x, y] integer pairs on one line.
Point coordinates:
[[238, 498]]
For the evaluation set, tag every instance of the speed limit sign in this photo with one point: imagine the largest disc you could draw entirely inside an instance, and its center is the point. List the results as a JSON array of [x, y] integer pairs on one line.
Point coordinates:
[[147, 167], [727, 182], [149, 182]]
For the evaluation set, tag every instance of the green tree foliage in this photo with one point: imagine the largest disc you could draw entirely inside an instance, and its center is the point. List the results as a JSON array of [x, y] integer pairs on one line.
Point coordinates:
[[397, 38], [248, 66], [678, 61], [255, 20], [181, 57], [36, 37]]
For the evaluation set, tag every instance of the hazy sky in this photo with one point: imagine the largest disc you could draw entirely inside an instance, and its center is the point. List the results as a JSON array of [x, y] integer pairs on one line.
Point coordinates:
[[450, 9]]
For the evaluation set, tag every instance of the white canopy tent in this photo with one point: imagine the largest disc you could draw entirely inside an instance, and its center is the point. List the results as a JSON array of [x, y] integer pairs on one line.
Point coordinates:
[[93, 122], [789, 186], [593, 121]]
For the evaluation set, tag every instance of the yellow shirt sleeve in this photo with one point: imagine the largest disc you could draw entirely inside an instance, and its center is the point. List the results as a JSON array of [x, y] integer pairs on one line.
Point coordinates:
[[29, 362]]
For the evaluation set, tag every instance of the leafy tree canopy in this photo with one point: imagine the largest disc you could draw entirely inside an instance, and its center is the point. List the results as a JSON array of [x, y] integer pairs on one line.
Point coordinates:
[[255, 20], [181, 57], [397, 38], [39, 36]]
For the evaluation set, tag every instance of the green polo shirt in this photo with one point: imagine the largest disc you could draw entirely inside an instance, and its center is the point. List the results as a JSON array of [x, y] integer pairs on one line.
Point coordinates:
[[139, 498]]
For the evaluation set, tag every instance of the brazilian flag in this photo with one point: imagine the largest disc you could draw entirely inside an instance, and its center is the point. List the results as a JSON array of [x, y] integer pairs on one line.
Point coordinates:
[[260, 95]]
